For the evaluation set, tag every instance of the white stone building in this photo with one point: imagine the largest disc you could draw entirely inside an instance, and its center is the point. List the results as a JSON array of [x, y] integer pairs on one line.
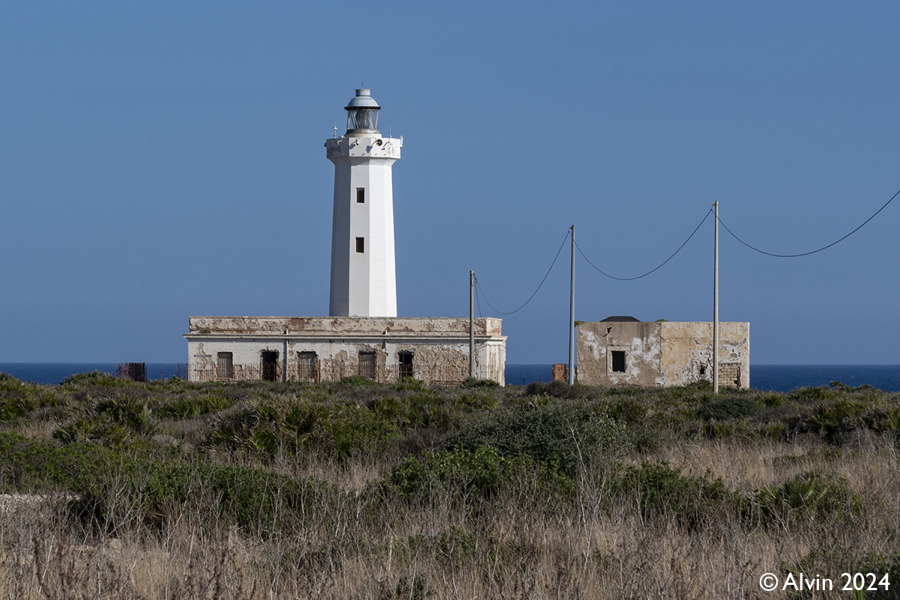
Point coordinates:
[[363, 336], [434, 350]]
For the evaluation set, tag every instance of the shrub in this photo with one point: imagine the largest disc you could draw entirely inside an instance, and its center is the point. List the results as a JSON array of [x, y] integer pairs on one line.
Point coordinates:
[[809, 495], [185, 407], [270, 427], [662, 490], [727, 408], [409, 383], [101, 431], [129, 412], [28, 465], [479, 473], [558, 389], [356, 381], [473, 382], [95, 378], [562, 435], [147, 492]]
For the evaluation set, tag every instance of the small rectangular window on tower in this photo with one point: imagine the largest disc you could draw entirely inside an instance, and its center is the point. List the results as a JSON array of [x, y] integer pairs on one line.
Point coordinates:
[[618, 361], [360, 195], [360, 245]]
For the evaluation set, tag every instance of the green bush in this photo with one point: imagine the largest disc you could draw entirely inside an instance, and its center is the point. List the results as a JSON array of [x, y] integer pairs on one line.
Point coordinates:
[[478, 473], [357, 380], [473, 382], [727, 408], [93, 430], [558, 389], [129, 412], [662, 490], [95, 378], [271, 427], [409, 383], [809, 495], [149, 493], [28, 466], [564, 435], [185, 407]]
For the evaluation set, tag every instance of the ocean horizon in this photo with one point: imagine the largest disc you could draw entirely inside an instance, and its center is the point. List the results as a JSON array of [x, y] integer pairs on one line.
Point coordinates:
[[778, 378]]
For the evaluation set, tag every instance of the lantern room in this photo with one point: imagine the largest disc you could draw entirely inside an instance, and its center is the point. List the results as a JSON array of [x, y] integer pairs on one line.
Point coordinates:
[[362, 113]]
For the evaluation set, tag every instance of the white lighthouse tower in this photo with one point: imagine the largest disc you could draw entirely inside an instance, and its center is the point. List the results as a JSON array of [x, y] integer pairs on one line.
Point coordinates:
[[363, 280]]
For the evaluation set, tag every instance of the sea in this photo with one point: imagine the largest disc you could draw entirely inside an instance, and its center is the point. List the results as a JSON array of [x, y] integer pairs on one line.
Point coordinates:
[[779, 378]]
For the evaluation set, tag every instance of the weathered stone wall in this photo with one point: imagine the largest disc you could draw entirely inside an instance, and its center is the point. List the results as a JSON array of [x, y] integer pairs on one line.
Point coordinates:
[[596, 342], [439, 348], [327, 326], [687, 348], [661, 354]]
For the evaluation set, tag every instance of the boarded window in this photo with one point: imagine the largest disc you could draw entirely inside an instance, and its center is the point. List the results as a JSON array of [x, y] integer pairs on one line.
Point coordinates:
[[308, 366], [360, 195], [225, 365], [360, 245], [618, 361], [405, 362], [730, 374], [269, 365], [367, 365]]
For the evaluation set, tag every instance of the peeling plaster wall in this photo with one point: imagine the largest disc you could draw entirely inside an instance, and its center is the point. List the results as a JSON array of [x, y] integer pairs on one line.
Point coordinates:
[[640, 342], [687, 348], [661, 354], [439, 347]]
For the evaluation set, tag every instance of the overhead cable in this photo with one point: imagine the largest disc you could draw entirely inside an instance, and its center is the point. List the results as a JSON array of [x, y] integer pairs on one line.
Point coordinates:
[[826, 247], [654, 269], [479, 289]]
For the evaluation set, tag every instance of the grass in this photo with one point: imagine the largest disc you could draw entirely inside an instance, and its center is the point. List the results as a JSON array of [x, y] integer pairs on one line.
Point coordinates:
[[115, 489]]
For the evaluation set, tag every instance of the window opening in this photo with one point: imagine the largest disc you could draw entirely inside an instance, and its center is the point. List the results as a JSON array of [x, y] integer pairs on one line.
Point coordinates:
[[307, 366], [269, 365], [405, 362], [367, 365], [225, 365], [360, 195], [618, 361], [360, 245]]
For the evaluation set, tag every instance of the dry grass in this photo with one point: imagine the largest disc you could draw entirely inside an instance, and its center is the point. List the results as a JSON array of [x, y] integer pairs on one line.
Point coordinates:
[[358, 541]]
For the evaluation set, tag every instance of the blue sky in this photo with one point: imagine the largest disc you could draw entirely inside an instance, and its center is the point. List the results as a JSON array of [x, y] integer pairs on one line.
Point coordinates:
[[160, 160]]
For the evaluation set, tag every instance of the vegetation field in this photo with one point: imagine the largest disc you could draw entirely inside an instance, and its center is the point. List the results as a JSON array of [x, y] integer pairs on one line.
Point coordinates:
[[355, 490]]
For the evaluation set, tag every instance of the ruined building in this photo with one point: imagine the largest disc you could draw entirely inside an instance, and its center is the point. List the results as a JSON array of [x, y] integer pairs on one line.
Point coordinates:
[[624, 351], [363, 336]]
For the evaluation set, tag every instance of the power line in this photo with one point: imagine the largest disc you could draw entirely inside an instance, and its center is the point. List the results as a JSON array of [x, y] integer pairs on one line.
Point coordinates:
[[533, 294], [834, 243], [653, 270]]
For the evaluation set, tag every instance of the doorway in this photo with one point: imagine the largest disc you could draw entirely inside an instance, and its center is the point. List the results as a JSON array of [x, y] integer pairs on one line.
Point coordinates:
[[269, 365]]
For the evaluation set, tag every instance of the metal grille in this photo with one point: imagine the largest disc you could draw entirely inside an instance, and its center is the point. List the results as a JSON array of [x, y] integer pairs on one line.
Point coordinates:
[[405, 362], [308, 366], [367, 365]]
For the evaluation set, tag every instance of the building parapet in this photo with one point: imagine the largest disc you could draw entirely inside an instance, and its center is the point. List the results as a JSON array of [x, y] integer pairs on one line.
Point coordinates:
[[324, 327]]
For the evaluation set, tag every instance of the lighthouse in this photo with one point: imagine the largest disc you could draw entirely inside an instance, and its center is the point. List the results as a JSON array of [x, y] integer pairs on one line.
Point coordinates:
[[363, 279], [362, 336]]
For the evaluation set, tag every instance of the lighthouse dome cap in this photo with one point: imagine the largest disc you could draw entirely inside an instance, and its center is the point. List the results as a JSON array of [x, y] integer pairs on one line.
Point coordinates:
[[363, 99]]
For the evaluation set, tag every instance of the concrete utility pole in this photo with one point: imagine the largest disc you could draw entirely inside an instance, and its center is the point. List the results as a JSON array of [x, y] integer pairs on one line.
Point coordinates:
[[471, 323], [716, 301], [572, 312]]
